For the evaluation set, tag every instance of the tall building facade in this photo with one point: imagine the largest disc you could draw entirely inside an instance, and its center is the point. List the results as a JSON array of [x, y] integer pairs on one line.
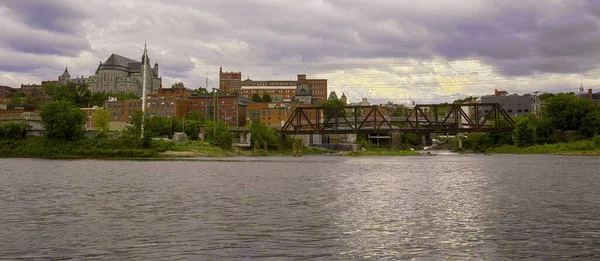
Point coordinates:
[[232, 81], [119, 74]]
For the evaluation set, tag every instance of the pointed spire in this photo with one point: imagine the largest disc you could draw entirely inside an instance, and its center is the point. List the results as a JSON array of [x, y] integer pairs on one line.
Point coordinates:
[[220, 69], [66, 73]]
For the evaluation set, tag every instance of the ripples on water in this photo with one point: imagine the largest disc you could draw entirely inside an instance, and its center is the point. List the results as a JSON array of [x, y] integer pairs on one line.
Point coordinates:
[[309, 208]]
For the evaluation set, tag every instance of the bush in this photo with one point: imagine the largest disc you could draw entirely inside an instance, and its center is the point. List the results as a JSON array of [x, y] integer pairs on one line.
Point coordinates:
[[218, 134], [261, 134], [596, 140], [14, 130], [62, 120]]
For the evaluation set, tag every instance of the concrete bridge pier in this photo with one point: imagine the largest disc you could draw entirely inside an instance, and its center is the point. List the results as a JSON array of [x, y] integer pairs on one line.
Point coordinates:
[[460, 138]]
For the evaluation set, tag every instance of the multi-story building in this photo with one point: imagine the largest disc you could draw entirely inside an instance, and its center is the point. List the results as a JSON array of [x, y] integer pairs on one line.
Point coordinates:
[[515, 105], [121, 111], [6, 91], [180, 93], [271, 114], [119, 74], [229, 108], [229, 82]]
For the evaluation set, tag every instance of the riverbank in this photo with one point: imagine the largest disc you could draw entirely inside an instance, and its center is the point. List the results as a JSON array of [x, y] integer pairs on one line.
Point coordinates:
[[581, 148], [123, 148]]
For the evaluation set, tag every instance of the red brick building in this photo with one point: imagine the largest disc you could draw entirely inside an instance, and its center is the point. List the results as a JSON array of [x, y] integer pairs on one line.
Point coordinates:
[[232, 81], [228, 108], [121, 111]]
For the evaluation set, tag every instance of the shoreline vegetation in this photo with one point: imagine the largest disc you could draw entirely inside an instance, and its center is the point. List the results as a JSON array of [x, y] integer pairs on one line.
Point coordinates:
[[568, 126]]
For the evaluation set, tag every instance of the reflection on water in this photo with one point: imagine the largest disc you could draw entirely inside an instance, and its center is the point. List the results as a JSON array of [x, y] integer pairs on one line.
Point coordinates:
[[311, 208]]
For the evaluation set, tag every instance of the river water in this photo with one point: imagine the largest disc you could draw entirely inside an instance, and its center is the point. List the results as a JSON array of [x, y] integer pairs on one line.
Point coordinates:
[[461, 207]]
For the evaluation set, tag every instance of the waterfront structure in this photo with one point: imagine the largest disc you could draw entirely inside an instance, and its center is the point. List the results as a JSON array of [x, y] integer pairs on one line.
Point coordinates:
[[271, 114], [231, 82]]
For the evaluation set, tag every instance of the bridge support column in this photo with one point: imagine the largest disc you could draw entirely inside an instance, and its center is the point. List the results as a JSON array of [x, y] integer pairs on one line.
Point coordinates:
[[460, 138]]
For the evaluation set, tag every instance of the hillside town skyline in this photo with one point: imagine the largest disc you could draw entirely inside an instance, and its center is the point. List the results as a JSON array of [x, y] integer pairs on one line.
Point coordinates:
[[399, 56]]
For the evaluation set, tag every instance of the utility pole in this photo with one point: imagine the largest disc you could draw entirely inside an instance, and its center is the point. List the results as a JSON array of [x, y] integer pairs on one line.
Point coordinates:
[[145, 61], [206, 88], [215, 113]]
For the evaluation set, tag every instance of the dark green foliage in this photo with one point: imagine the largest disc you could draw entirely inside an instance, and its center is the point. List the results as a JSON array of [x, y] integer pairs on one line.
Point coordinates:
[[566, 111], [196, 115], [178, 85], [480, 142], [333, 108], [266, 97], [202, 91], [524, 132], [590, 124], [545, 132], [14, 130], [256, 98], [469, 99], [261, 134], [62, 120], [94, 147], [218, 134]]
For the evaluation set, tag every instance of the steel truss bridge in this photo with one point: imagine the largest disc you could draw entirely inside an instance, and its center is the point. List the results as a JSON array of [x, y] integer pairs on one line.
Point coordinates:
[[425, 118]]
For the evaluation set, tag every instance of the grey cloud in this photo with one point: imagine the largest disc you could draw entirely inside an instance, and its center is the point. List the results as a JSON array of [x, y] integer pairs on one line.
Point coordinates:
[[52, 15]]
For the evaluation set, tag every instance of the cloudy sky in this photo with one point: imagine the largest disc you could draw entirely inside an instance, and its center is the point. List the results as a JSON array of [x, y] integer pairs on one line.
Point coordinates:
[[384, 50]]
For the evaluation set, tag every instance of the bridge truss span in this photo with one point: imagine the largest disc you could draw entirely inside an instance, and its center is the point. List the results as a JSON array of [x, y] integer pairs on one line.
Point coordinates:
[[425, 118]]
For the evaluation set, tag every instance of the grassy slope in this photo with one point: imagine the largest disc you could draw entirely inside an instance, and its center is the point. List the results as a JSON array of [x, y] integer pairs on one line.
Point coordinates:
[[584, 147]]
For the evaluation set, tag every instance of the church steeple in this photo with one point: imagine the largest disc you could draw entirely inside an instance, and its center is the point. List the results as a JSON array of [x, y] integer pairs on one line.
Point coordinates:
[[145, 55]]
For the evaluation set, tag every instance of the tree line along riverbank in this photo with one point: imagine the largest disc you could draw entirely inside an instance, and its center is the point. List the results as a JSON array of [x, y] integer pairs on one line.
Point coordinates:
[[569, 125]]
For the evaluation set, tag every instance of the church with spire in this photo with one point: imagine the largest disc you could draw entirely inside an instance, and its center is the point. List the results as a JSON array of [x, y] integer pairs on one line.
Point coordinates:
[[119, 74]]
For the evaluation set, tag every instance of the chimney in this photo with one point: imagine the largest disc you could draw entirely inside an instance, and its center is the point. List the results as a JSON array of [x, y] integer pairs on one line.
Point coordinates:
[[496, 92], [590, 95]]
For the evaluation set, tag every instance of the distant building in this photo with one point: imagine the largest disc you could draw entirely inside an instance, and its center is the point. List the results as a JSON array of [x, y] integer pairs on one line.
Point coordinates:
[[6, 91], [121, 111], [229, 108], [515, 105], [594, 97], [119, 74], [332, 96], [230, 82]]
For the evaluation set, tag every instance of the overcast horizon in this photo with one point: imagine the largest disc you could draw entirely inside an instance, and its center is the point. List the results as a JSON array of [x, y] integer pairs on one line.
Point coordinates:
[[399, 51]]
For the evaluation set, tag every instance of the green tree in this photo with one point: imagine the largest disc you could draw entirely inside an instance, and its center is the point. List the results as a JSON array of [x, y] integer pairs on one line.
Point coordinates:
[[524, 132], [266, 97], [256, 98], [178, 85], [202, 91], [62, 120], [566, 111], [236, 92], [262, 134], [218, 134], [14, 130], [333, 108], [83, 96], [101, 119], [196, 115], [545, 132], [545, 96], [590, 124]]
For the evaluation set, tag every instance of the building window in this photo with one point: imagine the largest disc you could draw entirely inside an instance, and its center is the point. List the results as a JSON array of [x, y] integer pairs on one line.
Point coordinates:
[[519, 110], [509, 111], [526, 110]]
